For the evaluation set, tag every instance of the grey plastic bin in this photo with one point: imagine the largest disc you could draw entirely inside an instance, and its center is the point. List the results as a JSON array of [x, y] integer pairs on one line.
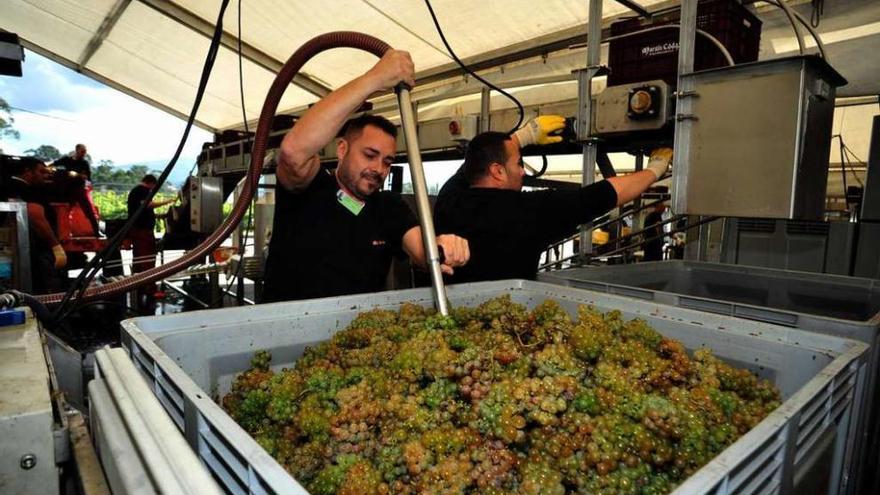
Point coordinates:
[[803, 445], [829, 304]]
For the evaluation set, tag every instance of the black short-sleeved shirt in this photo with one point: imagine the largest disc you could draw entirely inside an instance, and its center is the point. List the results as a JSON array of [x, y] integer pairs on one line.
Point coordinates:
[[136, 196], [457, 183], [71, 164], [22, 191], [319, 248], [507, 230]]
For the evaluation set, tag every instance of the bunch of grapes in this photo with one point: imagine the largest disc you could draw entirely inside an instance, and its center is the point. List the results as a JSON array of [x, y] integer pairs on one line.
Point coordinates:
[[497, 400]]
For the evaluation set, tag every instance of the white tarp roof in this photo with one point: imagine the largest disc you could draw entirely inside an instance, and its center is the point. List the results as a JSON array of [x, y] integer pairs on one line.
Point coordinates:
[[154, 49]]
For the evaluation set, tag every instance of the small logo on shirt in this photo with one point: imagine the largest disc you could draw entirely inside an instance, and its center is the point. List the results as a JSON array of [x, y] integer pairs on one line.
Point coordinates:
[[378, 242]]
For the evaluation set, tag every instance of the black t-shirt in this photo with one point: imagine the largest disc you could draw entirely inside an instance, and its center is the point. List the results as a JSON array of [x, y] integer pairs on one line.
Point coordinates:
[[70, 163], [457, 183], [507, 230], [22, 191], [319, 248], [136, 196]]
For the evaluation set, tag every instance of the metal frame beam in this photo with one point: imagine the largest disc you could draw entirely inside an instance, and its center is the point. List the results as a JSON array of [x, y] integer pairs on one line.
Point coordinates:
[[249, 52], [635, 7], [103, 31], [557, 41], [585, 112]]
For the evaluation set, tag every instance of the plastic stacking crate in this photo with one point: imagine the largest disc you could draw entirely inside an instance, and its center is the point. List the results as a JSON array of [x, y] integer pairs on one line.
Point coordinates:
[[829, 304], [801, 447]]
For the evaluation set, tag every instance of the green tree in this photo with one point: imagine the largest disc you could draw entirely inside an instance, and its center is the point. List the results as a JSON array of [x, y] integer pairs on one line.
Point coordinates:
[[138, 171], [6, 122], [45, 152], [102, 173]]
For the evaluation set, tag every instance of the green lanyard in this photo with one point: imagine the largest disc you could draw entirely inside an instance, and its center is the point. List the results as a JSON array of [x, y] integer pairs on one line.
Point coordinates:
[[350, 203]]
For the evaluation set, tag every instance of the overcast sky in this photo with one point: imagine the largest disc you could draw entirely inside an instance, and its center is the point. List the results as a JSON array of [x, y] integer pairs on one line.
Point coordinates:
[[70, 108]]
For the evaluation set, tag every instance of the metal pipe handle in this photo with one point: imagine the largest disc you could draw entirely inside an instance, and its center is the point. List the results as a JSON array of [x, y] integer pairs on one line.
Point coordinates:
[[420, 188]]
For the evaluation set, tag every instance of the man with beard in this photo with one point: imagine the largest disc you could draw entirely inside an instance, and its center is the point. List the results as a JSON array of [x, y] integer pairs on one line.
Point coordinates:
[[48, 259], [507, 227], [335, 233]]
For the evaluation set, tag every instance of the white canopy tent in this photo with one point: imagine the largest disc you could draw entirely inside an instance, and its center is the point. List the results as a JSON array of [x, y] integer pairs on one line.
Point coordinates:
[[154, 49]]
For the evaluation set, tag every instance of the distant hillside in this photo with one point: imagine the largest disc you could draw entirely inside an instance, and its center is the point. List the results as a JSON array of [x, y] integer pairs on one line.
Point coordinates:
[[178, 175]]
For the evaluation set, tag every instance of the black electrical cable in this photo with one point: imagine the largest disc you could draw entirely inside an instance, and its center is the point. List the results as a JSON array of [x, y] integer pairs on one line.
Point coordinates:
[[543, 170], [68, 302], [851, 155], [846, 157], [250, 215], [842, 165], [817, 12], [519, 106]]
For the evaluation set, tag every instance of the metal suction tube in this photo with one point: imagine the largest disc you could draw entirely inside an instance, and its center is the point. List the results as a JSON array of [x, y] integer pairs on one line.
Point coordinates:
[[420, 188]]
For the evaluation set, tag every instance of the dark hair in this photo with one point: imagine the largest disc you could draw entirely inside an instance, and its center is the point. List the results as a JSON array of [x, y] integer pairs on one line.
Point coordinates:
[[25, 164], [483, 150], [149, 179], [354, 127]]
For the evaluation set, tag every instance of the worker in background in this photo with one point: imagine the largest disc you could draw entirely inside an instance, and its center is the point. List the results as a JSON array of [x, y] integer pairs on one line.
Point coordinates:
[[142, 236], [48, 259], [76, 166], [508, 228], [654, 233], [542, 130], [335, 233]]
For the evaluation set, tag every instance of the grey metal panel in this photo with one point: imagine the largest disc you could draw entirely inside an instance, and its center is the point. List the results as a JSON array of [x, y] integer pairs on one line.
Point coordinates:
[[26, 417], [840, 245], [196, 355], [868, 255], [206, 203], [759, 140], [823, 247], [871, 202]]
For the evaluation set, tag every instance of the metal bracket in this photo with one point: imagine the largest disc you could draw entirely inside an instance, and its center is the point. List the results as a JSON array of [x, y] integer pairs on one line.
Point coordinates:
[[686, 94], [686, 116]]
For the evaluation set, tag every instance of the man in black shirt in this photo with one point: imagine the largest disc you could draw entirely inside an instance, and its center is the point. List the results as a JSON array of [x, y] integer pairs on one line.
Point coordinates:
[[48, 258], [77, 168], [335, 233], [143, 239], [76, 162], [508, 229]]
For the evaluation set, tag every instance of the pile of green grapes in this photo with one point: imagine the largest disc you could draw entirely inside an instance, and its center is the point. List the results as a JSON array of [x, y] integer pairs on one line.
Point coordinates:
[[497, 400]]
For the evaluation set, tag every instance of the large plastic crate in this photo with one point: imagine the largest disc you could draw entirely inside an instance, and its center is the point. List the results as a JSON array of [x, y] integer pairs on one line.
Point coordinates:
[[803, 445], [834, 305], [654, 54]]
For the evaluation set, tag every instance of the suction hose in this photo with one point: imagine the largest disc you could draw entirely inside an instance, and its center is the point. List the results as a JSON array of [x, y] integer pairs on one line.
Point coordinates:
[[318, 44]]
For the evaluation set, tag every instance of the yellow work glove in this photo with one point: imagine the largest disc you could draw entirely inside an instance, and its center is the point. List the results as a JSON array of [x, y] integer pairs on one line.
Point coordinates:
[[659, 162], [60, 256], [540, 130]]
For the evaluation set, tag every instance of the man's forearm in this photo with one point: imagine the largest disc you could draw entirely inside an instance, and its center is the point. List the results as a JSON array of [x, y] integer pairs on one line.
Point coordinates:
[[629, 187]]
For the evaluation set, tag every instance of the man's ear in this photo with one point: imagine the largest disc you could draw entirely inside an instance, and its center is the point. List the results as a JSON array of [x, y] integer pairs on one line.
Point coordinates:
[[497, 171], [341, 149]]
